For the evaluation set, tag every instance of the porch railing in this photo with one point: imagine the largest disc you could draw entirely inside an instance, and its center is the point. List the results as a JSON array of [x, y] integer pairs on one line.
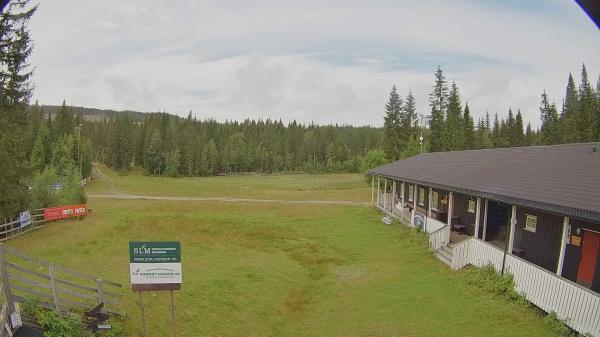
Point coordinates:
[[579, 307]]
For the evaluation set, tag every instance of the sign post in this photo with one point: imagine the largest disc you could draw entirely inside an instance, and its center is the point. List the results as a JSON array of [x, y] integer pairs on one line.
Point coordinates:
[[155, 266]]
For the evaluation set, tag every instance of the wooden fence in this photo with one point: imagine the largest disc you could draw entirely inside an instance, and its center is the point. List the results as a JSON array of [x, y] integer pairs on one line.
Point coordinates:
[[12, 228], [579, 307], [54, 286], [5, 328]]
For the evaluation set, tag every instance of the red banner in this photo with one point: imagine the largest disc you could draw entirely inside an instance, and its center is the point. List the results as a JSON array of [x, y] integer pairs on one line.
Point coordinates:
[[63, 212]]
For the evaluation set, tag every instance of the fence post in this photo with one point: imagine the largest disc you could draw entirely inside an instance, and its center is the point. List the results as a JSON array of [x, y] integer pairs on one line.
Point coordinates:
[[53, 286], [5, 282], [100, 291]]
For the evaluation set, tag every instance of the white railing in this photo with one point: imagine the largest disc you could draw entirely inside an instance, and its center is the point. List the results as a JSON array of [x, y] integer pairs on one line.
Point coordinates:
[[385, 202], [460, 254], [436, 239], [579, 307]]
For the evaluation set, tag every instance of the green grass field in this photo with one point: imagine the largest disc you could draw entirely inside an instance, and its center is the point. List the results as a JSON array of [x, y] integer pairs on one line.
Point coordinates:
[[349, 187], [257, 269]]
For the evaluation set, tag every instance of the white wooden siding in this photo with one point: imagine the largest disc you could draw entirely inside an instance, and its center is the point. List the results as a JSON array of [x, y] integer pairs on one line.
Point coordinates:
[[578, 306]]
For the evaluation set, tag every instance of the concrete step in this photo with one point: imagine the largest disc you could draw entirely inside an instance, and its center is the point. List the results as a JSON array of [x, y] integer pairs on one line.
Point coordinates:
[[387, 220]]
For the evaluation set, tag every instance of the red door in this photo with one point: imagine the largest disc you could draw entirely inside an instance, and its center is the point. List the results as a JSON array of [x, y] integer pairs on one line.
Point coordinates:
[[589, 254]]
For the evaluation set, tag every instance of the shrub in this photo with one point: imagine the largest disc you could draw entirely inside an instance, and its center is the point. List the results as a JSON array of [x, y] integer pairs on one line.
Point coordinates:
[[492, 282], [31, 305], [57, 326]]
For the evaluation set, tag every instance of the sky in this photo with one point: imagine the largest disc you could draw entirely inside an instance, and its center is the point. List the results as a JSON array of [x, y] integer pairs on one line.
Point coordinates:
[[311, 61]]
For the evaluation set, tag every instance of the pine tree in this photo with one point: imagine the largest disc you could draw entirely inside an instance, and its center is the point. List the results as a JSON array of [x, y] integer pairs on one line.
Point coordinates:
[[468, 129], [391, 142], [438, 101]]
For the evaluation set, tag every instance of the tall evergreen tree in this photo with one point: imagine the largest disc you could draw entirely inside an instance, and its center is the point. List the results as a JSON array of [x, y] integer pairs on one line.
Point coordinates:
[[391, 142], [519, 136], [588, 122], [468, 129], [438, 101], [569, 113], [15, 91], [453, 130]]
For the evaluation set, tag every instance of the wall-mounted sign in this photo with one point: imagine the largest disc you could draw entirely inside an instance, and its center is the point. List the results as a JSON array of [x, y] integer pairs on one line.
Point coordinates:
[[155, 265], [420, 220], [575, 240]]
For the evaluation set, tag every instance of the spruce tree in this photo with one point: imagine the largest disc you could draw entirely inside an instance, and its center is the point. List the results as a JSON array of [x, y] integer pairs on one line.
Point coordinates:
[[391, 142], [468, 129], [438, 101], [588, 105], [453, 130], [15, 91], [569, 113], [519, 137]]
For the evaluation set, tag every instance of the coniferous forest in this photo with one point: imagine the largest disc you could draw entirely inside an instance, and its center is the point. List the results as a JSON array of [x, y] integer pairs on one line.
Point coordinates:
[[44, 146]]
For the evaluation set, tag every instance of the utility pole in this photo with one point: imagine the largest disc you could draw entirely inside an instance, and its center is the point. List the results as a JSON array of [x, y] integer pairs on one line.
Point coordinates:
[[78, 150]]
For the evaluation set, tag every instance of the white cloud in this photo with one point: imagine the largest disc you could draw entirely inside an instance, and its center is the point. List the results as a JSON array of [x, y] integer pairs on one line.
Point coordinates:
[[327, 61]]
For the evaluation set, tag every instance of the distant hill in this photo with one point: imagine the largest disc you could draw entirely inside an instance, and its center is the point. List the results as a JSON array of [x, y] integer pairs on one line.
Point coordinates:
[[94, 113]]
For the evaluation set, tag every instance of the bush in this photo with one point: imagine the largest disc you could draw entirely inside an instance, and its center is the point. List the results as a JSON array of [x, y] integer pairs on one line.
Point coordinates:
[[31, 306], [492, 282], [373, 159], [57, 326]]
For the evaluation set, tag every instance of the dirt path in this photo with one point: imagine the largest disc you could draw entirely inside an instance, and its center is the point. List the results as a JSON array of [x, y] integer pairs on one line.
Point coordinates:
[[157, 197]]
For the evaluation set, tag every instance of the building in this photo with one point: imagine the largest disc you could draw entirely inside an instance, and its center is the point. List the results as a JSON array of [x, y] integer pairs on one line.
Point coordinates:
[[533, 212]]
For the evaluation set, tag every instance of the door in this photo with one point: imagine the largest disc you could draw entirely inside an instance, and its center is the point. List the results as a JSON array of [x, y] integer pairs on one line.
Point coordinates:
[[589, 254]]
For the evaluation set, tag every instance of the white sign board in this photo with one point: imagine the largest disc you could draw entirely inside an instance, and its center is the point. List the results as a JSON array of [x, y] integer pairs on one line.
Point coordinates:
[[155, 265]]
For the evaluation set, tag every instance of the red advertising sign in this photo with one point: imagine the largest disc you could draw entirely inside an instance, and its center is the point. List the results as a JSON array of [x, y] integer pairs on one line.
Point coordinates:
[[63, 212]]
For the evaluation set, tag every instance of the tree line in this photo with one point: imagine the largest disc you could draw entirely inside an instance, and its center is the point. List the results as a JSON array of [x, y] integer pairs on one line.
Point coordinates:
[[452, 127], [38, 158], [165, 144]]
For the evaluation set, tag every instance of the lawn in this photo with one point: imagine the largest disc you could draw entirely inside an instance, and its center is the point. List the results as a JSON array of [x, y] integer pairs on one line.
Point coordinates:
[[256, 269], [346, 187]]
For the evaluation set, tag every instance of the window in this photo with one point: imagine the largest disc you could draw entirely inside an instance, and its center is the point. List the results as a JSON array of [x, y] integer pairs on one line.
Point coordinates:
[[410, 192], [422, 196], [471, 207], [434, 200], [530, 222]]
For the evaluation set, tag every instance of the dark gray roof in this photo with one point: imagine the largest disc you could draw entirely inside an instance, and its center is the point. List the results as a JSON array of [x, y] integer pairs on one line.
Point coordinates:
[[563, 179]]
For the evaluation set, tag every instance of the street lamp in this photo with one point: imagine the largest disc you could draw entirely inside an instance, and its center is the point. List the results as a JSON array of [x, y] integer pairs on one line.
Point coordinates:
[[78, 149]]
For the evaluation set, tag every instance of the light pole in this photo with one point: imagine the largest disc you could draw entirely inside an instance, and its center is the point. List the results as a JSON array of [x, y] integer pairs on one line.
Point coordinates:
[[78, 149]]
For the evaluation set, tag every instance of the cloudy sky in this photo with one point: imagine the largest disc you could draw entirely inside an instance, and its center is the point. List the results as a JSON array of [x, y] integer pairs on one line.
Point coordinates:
[[323, 61]]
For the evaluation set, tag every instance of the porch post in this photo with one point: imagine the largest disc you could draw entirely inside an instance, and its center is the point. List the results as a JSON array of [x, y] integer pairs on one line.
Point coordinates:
[[513, 223], [378, 191], [402, 194], [450, 206], [412, 219], [477, 216], [393, 196], [563, 246], [372, 190], [429, 206], [485, 213], [385, 196]]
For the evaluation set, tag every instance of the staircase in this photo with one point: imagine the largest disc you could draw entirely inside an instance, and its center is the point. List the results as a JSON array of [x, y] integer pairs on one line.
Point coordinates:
[[387, 220], [445, 254]]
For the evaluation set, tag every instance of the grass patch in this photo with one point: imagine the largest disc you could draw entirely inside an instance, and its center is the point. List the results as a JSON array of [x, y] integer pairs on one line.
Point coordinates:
[[347, 187]]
